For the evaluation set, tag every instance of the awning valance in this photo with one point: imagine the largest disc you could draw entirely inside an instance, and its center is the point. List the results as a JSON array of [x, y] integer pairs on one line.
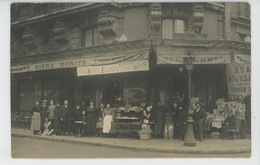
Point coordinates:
[[96, 60]]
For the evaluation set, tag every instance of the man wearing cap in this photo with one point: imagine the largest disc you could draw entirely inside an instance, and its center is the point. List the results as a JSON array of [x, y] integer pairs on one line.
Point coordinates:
[[199, 117]]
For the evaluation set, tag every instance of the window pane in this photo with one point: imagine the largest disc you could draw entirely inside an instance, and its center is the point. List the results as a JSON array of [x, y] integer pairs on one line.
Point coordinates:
[[51, 90], [29, 93], [135, 92], [179, 26], [88, 38], [167, 29]]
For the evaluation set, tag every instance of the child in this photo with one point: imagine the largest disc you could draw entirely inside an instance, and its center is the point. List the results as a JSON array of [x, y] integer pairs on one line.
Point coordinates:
[[99, 127], [47, 130]]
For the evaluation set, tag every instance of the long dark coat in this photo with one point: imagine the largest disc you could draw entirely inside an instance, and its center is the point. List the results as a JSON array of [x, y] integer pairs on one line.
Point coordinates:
[[66, 118], [44, 115], [91, 120], [56, 120], [159, 120]]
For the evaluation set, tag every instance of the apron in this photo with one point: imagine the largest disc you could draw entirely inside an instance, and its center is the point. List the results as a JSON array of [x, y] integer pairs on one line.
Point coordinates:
[[36, 121], [107, 123]]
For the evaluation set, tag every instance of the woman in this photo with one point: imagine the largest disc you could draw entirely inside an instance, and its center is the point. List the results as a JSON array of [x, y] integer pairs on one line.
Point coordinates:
[[51, 113], [44, 114], [91, 120], [159, 120], [36, 118], [56, 119], [107, 116]]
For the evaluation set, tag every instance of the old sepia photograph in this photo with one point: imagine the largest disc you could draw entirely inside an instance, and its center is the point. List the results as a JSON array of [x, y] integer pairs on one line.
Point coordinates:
[[130, 80]]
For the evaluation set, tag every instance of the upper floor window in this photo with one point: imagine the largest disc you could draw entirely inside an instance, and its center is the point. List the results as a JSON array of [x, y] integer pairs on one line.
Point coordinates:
[[171, 26], [39, 9], [244, 9], [89, 37]]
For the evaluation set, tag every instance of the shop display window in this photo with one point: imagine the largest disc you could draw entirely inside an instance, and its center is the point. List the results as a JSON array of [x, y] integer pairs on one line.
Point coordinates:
[[134, 92], [29, 93], [51, 90]]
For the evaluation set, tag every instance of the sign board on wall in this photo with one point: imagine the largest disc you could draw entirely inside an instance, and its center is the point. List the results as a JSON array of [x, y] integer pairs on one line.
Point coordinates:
[[239, 78], [95, 60], [199, 59], [133, 66]]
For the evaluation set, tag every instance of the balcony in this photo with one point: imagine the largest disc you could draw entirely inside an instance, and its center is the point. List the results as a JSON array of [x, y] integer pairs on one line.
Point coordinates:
[[22, 12]]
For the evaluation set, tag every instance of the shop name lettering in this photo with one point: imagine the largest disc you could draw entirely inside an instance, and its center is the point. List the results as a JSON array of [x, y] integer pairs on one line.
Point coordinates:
[[196, 60], [60, 65]]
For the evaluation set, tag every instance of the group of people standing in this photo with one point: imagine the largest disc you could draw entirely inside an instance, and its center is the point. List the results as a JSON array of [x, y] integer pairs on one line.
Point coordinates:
[[56, 119], [178, 116]]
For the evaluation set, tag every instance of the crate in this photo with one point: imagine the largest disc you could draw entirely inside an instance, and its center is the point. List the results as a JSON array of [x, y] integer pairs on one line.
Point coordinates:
[[144, 135]]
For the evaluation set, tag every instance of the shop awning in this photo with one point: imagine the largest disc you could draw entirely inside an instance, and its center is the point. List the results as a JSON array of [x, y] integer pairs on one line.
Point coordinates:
[[118, 63], [122, 60]]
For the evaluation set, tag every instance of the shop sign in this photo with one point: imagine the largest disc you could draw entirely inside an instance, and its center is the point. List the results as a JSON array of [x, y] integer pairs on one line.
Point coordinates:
[[199, 59], [240, 58], [238, 80], [100, 59], [131, 66]]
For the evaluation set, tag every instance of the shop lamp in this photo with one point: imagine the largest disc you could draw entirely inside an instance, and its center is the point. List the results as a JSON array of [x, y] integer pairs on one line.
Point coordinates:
[[189, 139], [180, 68], [189, 62]]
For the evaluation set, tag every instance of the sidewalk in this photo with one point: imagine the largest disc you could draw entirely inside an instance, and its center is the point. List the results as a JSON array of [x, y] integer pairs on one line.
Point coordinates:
[[208, 146]]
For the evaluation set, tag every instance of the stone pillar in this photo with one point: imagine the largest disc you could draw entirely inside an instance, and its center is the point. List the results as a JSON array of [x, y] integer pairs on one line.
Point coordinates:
[[227, 26]]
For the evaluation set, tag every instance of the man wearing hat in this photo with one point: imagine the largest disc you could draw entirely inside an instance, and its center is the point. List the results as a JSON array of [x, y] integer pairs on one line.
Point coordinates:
[[44, 113]]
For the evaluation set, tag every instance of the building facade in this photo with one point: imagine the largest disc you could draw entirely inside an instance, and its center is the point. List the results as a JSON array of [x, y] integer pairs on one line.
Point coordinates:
[[127, 54]]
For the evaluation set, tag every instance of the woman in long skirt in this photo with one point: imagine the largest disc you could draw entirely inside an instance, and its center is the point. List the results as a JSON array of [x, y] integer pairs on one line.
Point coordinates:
[[36, 118], [91, 120], [56, 120], [107, 115]]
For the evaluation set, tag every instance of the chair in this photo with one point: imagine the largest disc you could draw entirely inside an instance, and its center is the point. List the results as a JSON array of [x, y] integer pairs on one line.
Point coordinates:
[[235, 131]]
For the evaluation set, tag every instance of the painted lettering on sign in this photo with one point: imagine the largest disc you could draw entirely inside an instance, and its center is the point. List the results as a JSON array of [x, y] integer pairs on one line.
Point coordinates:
[[199, 59], [238, 80], [104, 59], [133, 66]]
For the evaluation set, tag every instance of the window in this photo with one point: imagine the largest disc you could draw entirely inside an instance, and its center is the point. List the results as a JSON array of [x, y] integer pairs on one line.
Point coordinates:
[[244, 9], [39, 9], [170, 26], [134, 92], [28, 94], [89, 37]]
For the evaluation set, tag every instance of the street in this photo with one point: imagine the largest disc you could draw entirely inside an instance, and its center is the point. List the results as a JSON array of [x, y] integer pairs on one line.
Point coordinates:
[[35, 148]]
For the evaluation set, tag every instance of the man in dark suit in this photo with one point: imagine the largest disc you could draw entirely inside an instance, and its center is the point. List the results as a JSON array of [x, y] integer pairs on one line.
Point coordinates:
[[181, 118], [199, 117], [66, 118]]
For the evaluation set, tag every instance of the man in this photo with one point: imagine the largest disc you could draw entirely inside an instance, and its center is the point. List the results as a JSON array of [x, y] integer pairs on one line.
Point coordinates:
[[66, 118], [44, 113], [181, 118], [199, 117]]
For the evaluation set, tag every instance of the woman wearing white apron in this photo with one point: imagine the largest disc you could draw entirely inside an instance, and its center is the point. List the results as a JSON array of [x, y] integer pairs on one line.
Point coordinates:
[[36, 118], [107, 115]]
